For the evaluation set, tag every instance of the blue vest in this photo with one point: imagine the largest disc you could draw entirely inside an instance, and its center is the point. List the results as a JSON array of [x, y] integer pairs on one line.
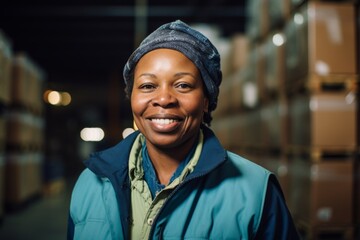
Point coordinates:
[[223, 198]]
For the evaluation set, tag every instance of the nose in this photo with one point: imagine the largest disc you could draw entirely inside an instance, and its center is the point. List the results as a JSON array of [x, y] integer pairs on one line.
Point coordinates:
[[164, 97]]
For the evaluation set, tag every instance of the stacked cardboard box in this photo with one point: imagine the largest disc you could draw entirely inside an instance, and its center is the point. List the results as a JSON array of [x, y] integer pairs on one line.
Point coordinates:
[[297, 98], [320, 49], [321, 78], [5, 70], [25, 132], [26, 87], [324, 122], [322, 197]]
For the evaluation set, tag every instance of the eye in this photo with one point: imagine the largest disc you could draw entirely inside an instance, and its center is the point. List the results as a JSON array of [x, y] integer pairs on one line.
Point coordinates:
[[183, 85], [147, 86]]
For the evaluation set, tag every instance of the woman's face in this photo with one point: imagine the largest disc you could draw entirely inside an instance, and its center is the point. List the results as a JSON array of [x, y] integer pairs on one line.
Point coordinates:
[[168, 100]]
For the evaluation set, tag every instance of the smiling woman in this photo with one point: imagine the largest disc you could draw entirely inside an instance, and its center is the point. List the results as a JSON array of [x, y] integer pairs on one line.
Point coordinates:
[[171, 178], [168, 101]]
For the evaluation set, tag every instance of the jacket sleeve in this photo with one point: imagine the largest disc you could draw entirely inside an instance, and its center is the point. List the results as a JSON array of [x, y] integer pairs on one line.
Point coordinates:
[[276, 221], [70, 229]]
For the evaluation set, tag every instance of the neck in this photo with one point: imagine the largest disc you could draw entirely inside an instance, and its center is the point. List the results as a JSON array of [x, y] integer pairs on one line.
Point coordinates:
[[166, 160]]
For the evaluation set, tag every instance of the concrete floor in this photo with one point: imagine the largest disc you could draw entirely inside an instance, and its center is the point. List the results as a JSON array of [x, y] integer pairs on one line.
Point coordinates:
[[43, 219]]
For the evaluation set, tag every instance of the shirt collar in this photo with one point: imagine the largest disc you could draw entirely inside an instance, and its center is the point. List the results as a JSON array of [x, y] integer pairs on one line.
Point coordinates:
[[141, 168]]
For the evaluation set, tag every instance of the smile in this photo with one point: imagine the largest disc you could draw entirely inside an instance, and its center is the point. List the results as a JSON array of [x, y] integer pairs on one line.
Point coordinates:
[[163, 121]]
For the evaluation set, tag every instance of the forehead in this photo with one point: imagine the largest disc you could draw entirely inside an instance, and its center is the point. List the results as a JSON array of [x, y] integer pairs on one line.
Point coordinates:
[[166, 60], [165, 53]]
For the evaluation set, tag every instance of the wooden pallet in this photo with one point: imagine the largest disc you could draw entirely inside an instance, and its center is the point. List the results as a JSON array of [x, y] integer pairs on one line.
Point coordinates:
[[309, 232], [54, 187], [314, 83], [320, 153], [317, 83]]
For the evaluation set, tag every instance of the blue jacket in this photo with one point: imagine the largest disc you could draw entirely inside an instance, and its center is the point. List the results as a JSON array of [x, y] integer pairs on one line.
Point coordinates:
[[225, 197]]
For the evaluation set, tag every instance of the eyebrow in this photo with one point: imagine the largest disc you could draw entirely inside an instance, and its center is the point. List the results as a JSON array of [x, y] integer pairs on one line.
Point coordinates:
[[184, 73], [179, 74], [147, 75]]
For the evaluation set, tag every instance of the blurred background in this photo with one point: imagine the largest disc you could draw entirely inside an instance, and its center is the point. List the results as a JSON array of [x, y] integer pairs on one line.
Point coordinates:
[[288, 101]]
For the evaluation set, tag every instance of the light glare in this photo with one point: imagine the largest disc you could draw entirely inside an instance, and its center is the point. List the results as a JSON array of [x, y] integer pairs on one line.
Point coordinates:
[[57, 98], [65, 98], [92, 134], [278, 39], [54, 98], [250, 94], [298, 18]]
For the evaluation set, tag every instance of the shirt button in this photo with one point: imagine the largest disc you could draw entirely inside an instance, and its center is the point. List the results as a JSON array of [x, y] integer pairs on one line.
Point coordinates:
[[150, 221]]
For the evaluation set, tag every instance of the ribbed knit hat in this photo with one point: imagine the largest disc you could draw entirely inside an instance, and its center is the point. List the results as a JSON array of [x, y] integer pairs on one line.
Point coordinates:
[[193, 44]]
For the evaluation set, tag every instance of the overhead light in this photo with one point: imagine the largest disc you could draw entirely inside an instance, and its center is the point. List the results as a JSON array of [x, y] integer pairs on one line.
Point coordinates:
[[93, 134], [278, 39], [298, 18], [57, 98], [54, 98]]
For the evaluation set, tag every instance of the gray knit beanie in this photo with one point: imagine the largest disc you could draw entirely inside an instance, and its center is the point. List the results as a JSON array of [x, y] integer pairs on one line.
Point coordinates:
[[194, 45]]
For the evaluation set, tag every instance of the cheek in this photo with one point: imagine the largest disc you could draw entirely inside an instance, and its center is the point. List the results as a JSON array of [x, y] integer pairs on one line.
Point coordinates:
[[138, 103], [196, 108], [137, 110]]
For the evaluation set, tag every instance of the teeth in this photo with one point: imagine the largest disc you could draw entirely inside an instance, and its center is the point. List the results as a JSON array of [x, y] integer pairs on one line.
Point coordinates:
[[163, 121]]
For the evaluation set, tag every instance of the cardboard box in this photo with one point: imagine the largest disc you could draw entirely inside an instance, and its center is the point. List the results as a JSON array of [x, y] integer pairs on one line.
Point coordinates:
[[222, 128], [16, 181], [34, 173], [23, 177], [20, 84], [236, 97], [2, 131], [324, 121], [332, 38], [238, 135], [274, 79], [275, 125], [321, 39], [322, 192], [249, 90], [279, 165], [223, 99], [253, 90], [240, 47], [38, 131], [250, 129], [257, 25], [296, 48], [279, 11], [20, 128], [5, 68]]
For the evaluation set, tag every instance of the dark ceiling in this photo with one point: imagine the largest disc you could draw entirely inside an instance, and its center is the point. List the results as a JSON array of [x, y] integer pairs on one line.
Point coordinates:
[[82, 46], [87, 41]]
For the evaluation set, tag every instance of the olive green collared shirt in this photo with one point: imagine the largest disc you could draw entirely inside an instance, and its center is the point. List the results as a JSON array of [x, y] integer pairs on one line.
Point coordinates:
[[143, 208]]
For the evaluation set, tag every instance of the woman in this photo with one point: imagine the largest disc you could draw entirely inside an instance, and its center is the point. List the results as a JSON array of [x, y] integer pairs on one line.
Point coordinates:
[[172, 179]]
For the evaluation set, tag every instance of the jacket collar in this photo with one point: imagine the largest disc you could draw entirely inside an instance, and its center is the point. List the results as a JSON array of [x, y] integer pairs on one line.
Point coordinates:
[[108, 162], [113, 164], [115, 160]]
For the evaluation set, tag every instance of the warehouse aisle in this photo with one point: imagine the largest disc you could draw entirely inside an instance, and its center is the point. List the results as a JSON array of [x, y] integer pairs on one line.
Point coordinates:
[[43, 219]]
